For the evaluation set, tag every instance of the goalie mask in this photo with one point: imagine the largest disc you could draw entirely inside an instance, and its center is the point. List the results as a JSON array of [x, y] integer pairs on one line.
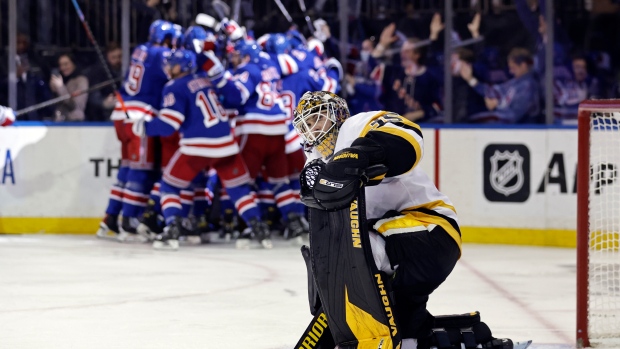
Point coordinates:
[[318, 118]]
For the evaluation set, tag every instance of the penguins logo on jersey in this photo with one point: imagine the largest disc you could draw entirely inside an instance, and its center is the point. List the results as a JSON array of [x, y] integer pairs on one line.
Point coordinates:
[[506, 172]]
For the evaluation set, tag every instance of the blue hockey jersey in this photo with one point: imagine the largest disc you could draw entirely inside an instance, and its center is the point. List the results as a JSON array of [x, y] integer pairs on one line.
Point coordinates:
[[191, 106], [141, 89], [252, 91], [296, 60]]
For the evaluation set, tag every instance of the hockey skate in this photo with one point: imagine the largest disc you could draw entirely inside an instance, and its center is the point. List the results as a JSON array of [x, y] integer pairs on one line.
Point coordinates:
[[149, 226], [169, 239], [255, 236], [297, 229], [108, 228], [229, 223], [128, 231]]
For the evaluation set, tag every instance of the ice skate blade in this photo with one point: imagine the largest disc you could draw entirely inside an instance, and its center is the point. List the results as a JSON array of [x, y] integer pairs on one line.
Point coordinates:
[[106, 234], [247, 244], [168, 245], [193, 240], [521, 345], [266, 243], [131, 238], [144, 231]]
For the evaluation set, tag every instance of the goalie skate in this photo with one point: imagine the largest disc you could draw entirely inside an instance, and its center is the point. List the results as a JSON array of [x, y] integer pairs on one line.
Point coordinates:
[[522, 345]]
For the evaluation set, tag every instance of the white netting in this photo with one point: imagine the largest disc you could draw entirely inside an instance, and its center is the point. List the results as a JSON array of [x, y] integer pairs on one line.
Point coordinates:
[[604, 229]]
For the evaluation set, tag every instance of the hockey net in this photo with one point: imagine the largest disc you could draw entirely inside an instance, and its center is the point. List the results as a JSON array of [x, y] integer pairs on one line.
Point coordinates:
[[598, 225]]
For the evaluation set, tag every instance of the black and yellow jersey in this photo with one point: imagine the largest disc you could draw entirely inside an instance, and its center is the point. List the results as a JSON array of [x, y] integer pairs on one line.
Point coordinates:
[[406, 188]]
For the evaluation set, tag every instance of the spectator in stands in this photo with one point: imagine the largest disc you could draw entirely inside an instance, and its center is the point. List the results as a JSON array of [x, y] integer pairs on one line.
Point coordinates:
[[364, 85], [465, 100], [101, 102], [69, 81], [413, 91], [515, 101], [31, 86], [27, 56], [569, 92]]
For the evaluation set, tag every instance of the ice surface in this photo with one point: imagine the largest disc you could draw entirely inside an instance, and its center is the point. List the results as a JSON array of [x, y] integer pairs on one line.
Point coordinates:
[[79, 292]]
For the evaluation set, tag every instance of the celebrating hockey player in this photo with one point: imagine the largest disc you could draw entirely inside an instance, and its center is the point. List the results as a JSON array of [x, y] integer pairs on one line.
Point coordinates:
[[415, 228], [261, 124], [141, 94], [191, 106]]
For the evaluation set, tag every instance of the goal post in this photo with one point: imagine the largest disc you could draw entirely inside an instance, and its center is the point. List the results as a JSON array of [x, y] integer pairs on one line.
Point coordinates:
[[598, 224]]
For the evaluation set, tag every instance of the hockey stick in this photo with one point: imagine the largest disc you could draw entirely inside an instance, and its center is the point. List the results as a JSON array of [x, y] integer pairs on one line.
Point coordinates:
[[302, 5], [221, 9], [89, 33], [59, 99], [236, 10], [284, 11]]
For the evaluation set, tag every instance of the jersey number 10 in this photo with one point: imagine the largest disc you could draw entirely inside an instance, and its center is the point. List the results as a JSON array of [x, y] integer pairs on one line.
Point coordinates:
[[211, 108]]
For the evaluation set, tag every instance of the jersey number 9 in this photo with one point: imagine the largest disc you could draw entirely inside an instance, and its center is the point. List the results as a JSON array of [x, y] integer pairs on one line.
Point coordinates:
[[134, 79]]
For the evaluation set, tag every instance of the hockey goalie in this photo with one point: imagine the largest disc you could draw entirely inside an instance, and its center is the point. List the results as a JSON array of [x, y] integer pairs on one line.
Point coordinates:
[[382, 237]]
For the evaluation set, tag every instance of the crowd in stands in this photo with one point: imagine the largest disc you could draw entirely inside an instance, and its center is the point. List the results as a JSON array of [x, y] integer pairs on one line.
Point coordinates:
[[497, 67]]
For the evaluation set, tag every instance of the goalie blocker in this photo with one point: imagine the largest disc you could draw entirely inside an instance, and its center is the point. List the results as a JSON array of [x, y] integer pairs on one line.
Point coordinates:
[[352, 300]]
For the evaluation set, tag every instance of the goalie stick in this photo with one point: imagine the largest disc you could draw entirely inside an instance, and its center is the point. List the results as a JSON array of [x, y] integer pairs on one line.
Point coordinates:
[[89, 33]]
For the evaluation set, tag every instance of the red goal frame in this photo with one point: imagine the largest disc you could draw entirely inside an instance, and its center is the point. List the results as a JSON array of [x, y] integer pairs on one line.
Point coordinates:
[[586, 109]]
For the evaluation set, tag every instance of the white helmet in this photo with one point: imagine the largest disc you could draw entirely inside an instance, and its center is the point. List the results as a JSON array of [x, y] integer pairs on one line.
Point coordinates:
[[318, 118]]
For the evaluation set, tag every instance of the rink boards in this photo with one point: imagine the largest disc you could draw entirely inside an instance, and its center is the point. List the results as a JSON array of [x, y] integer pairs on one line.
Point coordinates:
[[509, 185]]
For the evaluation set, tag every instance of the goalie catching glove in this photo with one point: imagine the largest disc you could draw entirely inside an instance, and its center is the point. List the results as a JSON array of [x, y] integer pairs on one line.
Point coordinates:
[[333, 186]]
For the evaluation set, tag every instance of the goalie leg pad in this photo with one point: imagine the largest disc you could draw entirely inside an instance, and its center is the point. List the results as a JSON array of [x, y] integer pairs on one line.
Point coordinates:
[[354, 294]]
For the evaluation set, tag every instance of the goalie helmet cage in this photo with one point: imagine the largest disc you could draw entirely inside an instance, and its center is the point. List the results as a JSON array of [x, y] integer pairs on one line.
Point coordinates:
[[598, 224]]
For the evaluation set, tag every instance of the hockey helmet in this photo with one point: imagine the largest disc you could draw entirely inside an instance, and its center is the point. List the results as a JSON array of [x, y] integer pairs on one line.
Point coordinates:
[[248, 48], [198, 39], [186, 59], [159, 30], [318, 118], [296, 39], [177, 36], [277, 43]]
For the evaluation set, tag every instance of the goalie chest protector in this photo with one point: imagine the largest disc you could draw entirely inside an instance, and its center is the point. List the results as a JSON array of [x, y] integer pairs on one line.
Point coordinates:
[[353, 292]]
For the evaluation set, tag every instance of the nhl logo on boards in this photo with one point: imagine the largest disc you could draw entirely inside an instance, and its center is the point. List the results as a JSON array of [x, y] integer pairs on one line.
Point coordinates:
[[510, 172], [506, 172]]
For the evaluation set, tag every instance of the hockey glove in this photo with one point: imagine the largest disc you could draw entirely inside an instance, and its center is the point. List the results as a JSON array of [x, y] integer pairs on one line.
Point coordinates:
[[349, 169], [138, 127], [233, 29], [214, 68], [7, 116]]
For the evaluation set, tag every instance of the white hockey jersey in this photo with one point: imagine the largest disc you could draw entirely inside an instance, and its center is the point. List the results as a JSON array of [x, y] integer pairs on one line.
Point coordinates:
[[413, 194]]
